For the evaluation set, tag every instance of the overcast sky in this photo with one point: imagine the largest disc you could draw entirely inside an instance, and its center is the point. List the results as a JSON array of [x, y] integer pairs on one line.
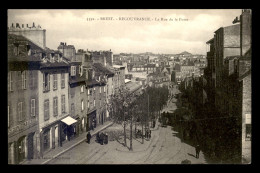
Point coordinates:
[[72, 27]]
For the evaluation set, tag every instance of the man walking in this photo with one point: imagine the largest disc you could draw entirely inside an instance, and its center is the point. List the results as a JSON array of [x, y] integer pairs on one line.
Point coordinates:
[[197, 148], [88, 137]]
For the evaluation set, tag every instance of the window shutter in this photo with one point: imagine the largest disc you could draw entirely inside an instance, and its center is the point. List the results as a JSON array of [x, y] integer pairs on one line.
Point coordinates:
[[22, 80], [25, 79], [43, 82], [49, 80]]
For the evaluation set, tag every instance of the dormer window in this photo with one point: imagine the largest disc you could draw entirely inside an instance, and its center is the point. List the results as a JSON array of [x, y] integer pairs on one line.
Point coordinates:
[[28, 48], [16, 49]]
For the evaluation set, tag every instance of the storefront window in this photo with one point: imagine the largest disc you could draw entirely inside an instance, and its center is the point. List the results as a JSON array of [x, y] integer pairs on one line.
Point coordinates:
[[46, 140], [248, 127], [248, 132]]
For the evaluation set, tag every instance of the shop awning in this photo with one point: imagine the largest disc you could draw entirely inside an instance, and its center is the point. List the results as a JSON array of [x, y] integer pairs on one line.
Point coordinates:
[[68, 120]]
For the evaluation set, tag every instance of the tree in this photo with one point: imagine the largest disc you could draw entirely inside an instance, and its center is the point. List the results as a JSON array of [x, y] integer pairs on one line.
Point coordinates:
[[119, 106]]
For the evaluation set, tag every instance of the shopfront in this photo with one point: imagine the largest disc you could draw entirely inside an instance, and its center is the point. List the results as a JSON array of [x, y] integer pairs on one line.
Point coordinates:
[[91, 120], [68, 128]]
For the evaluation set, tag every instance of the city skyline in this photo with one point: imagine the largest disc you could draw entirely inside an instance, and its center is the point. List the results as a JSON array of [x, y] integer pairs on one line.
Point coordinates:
[[128, 36]]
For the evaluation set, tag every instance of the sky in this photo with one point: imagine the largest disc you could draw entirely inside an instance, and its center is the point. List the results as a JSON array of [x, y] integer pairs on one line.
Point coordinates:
[[189, 29]]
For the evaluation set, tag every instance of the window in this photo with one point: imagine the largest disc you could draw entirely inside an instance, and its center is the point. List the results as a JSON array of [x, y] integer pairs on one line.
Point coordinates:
[[88, 91], [62, 80], [24, 80], [55, 106], [94, 89], [20, 111], [32, 80], [63, 103], [248, 132], [10, 81], [82, 105], [104, 89], [46, 82], [16, 49], [33, 107], [46, 110], [72, 109], [248, 127], [94, 102], [55, 82], [73, 71], [82, 89], [80, 70]]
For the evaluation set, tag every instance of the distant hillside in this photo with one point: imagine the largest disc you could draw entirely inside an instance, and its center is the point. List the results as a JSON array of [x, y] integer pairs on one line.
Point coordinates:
[[185, 53]]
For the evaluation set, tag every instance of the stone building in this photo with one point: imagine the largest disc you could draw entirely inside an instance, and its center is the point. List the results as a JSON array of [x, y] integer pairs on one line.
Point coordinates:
[[67, 51], [228, 75], [54, 120], [33, 33], [77, 96], [24, 59], [119, 77]]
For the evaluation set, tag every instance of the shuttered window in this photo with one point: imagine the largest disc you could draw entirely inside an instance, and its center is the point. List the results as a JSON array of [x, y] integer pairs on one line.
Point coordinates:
[[55, 106], [63, 103], [20, 111], [33, 107], [46, 110]]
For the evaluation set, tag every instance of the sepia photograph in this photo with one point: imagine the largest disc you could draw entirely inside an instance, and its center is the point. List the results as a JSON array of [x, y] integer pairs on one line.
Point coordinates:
[[129, 86]]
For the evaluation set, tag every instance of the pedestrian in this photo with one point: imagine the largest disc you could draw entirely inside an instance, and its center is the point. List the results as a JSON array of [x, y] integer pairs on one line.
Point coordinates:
[[93, 124], [88, 137], [106, 139], [101, 138], [98, 137], [197, 148]]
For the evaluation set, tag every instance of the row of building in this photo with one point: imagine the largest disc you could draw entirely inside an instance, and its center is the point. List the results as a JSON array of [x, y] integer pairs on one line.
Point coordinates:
[[55, 95], [227, 78]]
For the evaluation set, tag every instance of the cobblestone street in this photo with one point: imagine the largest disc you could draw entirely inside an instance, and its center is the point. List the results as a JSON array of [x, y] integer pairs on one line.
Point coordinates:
[[164, 147]]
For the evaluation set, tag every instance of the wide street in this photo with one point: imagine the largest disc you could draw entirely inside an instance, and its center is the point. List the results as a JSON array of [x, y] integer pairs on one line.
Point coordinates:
[[164, 147]]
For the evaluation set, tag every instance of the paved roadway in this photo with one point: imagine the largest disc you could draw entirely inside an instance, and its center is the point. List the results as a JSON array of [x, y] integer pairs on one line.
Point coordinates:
[[164, 148]]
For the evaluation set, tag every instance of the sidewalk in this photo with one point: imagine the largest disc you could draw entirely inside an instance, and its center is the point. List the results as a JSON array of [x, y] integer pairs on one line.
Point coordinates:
[[53, 153]]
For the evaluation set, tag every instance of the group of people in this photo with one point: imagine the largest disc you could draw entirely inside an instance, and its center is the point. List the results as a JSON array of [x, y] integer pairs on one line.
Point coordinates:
[[100, 138]]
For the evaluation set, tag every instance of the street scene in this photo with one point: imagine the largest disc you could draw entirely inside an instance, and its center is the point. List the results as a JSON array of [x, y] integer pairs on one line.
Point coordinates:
[[129, 86], [153, 151]]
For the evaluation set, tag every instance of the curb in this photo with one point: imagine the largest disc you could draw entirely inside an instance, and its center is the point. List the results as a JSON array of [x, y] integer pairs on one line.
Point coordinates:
[[54, 157]]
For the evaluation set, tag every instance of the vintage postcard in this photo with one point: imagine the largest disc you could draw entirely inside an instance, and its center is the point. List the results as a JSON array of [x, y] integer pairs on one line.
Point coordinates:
[[139, 86]]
